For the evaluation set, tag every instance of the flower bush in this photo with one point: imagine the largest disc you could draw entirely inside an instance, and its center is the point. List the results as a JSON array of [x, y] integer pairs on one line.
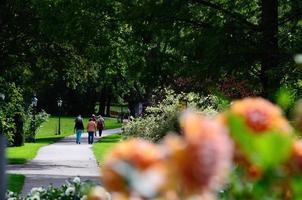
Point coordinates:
[[73, 190], [162, 117]]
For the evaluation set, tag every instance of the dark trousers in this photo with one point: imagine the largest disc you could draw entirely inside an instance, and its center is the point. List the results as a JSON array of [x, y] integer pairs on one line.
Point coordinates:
[[90, 137], [100, 132]]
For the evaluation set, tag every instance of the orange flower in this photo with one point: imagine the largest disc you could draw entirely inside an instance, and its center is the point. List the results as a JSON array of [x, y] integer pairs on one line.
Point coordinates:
[[297, 155], [204, 161], [260, 115], [133, 159]]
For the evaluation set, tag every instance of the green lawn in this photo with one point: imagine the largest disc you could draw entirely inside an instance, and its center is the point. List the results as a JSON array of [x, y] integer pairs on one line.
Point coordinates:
[[119, 108], [45, 136], [15, 182], [104, 145]]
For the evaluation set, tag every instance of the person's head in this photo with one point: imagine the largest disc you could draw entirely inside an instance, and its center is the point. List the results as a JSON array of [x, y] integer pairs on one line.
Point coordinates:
[[79, 118]]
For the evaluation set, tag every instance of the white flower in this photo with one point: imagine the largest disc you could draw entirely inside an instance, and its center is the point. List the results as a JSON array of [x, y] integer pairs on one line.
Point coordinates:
[[10, 194], [84, 197], [35, 197], [70, 191], [77, 180], [36, 190], [12, 198]]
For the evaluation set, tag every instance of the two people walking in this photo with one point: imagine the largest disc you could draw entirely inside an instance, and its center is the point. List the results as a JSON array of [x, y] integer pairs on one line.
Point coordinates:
[[93, 125]]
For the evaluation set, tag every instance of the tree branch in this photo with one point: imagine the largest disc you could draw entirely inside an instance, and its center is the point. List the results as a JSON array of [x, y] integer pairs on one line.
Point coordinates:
[[235, 15]]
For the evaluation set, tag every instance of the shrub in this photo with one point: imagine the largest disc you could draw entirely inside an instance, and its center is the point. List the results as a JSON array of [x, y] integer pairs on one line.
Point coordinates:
[[8, 129], [162, 118], [33, 123], [13, 105]]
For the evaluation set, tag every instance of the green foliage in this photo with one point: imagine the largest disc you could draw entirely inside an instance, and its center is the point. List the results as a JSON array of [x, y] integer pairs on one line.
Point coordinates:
[[286, 97], [162, 118]]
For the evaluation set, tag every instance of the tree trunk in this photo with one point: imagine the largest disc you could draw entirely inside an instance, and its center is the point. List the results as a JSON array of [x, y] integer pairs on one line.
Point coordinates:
[[108, 105], [269, 59], [132, 108], [102, 102], [18, 134]]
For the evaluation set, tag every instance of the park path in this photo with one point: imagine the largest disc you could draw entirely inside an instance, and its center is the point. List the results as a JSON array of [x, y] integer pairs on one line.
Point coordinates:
[[60, 161]]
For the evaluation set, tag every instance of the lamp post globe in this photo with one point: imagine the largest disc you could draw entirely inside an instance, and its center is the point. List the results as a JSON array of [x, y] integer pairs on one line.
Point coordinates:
[[60, 103], [2, 96], [34, 101]]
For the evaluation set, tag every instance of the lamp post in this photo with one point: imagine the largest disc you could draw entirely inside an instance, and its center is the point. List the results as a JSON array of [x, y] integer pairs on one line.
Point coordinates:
[[2, 156], [59, 102], [34, 103]]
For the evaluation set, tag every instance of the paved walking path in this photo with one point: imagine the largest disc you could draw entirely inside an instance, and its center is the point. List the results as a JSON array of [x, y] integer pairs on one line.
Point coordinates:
[[57, 162]]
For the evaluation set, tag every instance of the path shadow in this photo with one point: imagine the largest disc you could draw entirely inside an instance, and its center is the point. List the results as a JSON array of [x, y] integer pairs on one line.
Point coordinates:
[[48, 140], [16, 161], [110, 139]]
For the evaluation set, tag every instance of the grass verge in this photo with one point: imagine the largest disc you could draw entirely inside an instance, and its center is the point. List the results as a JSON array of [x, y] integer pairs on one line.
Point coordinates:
[[15, 182], [45, 136], [104, 145]]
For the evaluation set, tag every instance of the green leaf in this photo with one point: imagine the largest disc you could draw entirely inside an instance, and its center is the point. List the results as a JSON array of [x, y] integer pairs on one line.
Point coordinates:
[[272, 149], [267, 150], [296, 184]]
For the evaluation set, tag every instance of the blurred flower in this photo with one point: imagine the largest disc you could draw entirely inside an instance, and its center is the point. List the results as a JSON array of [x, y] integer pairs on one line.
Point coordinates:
[[134, 165], [297, 155], [298, 115], [254, 172], [98, 193], [77, 180], [84, 197], [70, 191], [12, 198], [260, 115], [204, 159], [9, 194]]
